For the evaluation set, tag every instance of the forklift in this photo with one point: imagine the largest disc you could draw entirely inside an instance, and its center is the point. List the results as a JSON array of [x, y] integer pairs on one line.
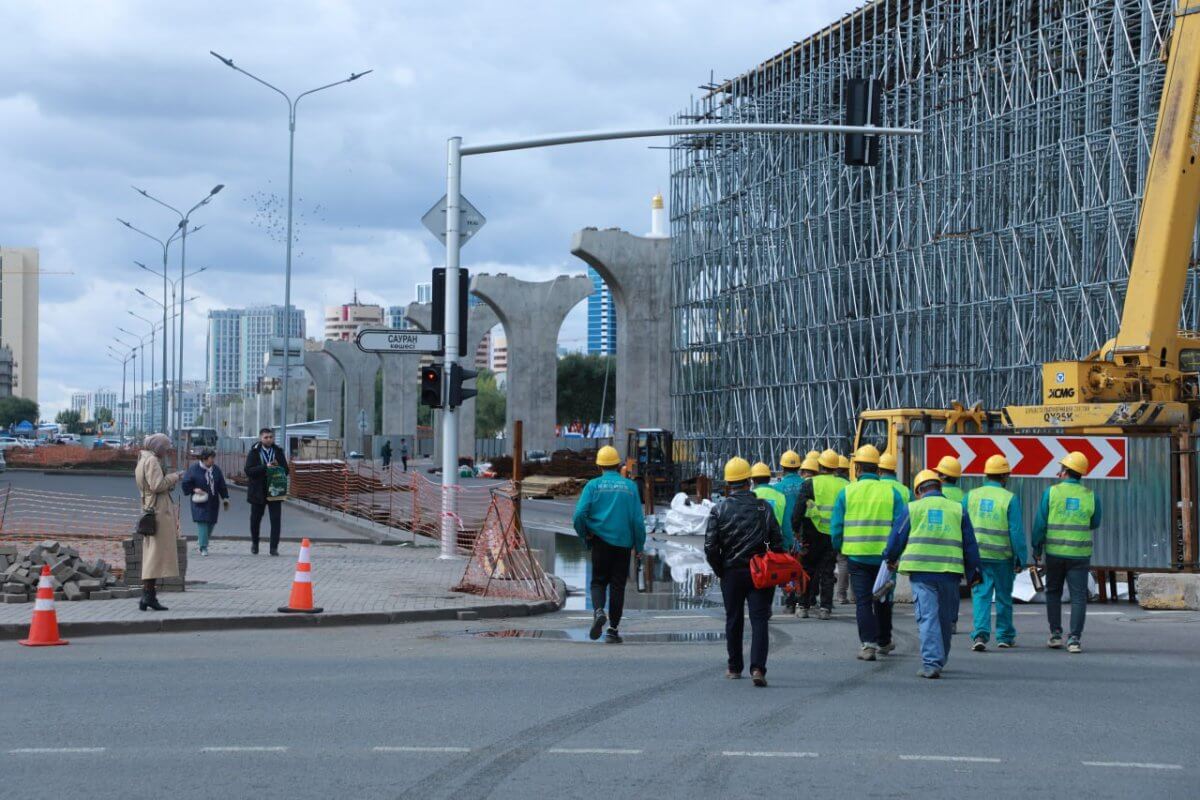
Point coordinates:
[[649, 462]]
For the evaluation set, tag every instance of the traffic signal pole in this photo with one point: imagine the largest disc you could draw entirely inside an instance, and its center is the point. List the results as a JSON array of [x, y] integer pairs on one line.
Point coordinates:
[[450, 518]]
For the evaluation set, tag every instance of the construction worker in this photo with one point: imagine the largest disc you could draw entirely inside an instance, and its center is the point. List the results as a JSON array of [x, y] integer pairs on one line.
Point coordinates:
[[949, 470], [843, 469], [760, 476], [934, 545], [739, 529], [863, 515], [809, 466], [609, 520], [887, 474], [789, 486], [995, 515], [843, 568], [1066, 517], [812, 516]]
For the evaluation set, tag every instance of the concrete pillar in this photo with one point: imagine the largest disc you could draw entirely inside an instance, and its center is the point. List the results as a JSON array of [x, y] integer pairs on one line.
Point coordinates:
[[326, 374], [249, 415], [359, 369], [297, 399], [637, 270], [262, 403], [532, 314], [401, 382]]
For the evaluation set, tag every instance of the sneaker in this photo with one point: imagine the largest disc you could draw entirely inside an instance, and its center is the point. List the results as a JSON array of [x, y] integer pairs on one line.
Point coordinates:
[[599, 620], [203, 551], [1073, 646], [733, 676], [1055, 641], [979, 645], [759, 678], [884, 649], [867, 652], [929, 672], [1006, 645], [824, 613], [612, 637], [843, 600], [802, 613]]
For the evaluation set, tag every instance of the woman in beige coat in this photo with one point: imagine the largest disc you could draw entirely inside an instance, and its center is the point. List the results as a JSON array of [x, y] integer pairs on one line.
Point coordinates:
[[160, 558]]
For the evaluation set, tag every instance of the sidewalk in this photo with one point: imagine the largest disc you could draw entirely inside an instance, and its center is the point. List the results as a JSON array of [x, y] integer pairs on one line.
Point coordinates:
[[356, 584]]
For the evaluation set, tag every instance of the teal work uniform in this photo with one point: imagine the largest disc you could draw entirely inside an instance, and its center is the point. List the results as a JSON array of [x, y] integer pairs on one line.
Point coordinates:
[[611, 509], [788, 486], [995, 513]]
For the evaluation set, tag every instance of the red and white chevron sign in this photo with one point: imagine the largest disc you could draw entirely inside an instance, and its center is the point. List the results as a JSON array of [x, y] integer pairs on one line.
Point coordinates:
[[1031, 456]]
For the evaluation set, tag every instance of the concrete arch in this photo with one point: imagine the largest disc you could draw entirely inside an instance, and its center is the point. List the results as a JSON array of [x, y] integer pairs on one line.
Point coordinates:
[[359, 370], [327, 377]]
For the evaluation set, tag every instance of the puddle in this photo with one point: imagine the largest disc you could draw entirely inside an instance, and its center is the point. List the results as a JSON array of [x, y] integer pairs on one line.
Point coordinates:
[[581, 635]]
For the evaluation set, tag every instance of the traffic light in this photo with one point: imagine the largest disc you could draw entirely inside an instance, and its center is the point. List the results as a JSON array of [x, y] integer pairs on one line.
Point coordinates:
[[863, 106], [458, 376], [431, 386]]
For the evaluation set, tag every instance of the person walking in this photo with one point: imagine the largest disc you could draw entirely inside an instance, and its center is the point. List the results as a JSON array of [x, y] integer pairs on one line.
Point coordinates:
[[1066, 518], [741, 526], [995, 515], [863, 516], [609, 519], [385, 453], [760, 477], [812, 515], [887, 474], [265, 491], [404, 454], [160, 556], [949, 470], [934, 545], [204, 488], [842, 565], [789, 485]]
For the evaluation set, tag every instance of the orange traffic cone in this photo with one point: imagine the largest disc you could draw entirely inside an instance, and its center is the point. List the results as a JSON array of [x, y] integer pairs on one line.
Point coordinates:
[[301, 601], [43, 631]]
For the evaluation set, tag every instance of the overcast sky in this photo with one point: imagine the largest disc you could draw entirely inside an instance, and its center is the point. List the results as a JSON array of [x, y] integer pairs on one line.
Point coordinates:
[[96, 97]]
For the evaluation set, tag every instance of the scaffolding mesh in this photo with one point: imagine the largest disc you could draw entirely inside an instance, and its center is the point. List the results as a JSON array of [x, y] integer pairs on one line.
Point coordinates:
[[806, 291]]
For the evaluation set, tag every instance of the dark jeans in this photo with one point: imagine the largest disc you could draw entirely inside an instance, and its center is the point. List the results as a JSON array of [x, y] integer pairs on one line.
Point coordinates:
[[820, 563], [738, 590], [404, 461], [1074, 571], [256, 515], [610, 571], [874, 617]]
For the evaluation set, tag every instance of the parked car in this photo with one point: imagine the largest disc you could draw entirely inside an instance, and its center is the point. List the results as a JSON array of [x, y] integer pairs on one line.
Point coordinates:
[[3, 463], [8, 442]]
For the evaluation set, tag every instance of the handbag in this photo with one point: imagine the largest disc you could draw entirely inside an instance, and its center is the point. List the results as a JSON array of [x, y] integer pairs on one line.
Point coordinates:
[[774, 569], [199, 497], [147, 524]]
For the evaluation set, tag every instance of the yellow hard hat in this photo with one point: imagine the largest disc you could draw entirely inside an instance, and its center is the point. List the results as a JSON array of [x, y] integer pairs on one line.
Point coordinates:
[[810, 465], [813, 454], [924, 477], [790, 459], [867, 454], [1076, 462], [950, 467], [843, 462], [996, 465], [737, 469], [828, 459], [760, 470], [607, 456], [887, 461]]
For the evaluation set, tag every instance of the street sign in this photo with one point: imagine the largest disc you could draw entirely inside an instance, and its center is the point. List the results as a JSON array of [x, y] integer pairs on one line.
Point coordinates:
[[469, 220], [362, 420], [1031, 456], [387, 340]]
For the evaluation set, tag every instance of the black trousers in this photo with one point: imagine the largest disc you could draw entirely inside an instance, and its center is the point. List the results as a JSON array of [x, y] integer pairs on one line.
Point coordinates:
[[256, 515], [821, 564], [610, 571], [738, 590], [404, 461], [874, 618]]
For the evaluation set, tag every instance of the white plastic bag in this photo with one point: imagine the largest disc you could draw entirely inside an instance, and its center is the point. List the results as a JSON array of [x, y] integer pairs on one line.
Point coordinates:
[[686, 518]]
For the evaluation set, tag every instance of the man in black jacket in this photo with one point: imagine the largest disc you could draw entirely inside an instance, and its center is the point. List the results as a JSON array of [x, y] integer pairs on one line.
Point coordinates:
[[264, 455], [740, 527]]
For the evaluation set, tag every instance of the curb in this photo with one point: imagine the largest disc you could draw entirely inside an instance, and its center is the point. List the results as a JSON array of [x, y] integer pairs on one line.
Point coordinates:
[[373, 534]]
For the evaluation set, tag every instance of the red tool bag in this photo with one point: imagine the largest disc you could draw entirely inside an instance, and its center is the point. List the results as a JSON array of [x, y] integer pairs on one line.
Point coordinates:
[[775, 569]]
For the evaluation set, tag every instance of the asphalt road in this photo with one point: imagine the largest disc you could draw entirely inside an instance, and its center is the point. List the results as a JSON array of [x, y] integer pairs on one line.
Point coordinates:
[[432, 711]]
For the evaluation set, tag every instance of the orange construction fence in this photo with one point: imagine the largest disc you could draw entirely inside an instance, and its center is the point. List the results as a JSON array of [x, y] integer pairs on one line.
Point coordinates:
[[95, 526], [501, 563], [65, 456]]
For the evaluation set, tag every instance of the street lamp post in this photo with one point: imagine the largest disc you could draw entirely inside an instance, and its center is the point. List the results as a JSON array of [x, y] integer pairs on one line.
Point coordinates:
[[184, 221], [154, 326], [175, 393], [125, 358], [287, 274], [166, 370]]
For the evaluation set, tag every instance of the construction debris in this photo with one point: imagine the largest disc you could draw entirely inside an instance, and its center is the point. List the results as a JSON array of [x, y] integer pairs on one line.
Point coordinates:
[[544, 487], [563, 464], [73, 578]]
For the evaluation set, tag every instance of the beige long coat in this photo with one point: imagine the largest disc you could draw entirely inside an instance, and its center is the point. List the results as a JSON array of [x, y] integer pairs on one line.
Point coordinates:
[[160, 558]]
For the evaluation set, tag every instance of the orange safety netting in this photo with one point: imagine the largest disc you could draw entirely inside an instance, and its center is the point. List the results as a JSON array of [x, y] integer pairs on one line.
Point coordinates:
[[95, 526], [63, 456], [501, 563]]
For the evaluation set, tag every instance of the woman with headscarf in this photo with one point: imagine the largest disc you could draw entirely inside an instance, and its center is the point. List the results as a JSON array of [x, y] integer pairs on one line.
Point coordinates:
[[160, 559], [204, 486]]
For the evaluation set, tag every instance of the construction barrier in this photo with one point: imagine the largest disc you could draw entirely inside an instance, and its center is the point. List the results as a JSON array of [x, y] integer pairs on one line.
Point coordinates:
[[63, 456], [501, 563], [95, 526]]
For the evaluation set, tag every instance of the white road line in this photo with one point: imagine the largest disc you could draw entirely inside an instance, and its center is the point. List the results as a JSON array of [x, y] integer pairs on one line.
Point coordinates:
[[1131, 765], [970, 759], [593, 751], [34, 750], [413, 749], [243, 749], [684, 616], [766, 754]]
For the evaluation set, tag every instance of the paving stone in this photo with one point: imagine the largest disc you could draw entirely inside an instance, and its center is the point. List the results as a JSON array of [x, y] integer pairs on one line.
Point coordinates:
[[100, 595], [14, 598], [13, 588], [91, 585], [72, 591]]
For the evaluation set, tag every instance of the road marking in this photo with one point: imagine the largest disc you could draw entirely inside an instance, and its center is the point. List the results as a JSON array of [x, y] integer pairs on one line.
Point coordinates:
[[593, 751], [414, 749], [34, 750], [685, 616], [1131, 764], [243, 749], [766, 754], [969, 759]]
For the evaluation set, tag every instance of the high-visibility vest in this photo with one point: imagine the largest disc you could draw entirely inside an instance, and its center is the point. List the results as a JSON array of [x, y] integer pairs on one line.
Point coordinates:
[[1069, 523], [825, 492], [905, 492], [775, 499], [951, 491], [988, 509], [935, 542], [870, 506]]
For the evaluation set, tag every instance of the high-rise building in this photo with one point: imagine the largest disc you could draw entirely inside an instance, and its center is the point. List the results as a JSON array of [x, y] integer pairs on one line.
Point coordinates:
[[483, 353], [192, 401], [424, 292], [344, 321], [602, 318], [81, 405], [498, 358], [396, 319], [105, 398], [19, 316], [223, 352], [259, 324]]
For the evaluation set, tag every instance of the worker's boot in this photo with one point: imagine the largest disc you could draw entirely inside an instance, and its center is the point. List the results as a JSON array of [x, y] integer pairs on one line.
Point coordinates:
[[802, 612], [599, 620], [884, 649], [612, 637], [1055, 641], [824, 613], [867, 652], [759, 678], [1073, 645], [979, 645]]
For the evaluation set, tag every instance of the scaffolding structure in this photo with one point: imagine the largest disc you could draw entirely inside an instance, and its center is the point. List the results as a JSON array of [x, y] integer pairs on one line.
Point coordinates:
[[806, 291]]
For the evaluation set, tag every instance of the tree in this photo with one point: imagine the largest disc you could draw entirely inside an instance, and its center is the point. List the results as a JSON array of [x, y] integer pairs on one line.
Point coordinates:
[[490, 405], [70, 420], [103, 415], [17, 409], [581, 387]]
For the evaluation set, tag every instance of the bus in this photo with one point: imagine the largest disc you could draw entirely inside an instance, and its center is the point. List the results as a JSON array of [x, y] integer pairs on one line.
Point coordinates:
[[196, 439]]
